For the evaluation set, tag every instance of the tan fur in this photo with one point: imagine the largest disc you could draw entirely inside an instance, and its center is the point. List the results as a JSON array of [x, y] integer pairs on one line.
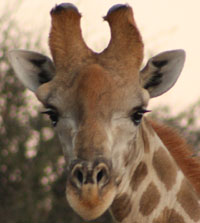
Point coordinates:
[[188, 200], [90, 203], [181, 152], [65, 39], [145, 141], [126, 42], [169, 216]]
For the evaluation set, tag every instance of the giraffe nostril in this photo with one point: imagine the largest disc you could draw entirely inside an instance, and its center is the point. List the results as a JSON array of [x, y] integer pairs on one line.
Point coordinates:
[[100, 175], [79, 176]]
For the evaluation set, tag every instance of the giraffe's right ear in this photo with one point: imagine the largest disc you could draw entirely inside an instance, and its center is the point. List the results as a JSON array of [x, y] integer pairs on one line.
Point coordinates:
[[32, 69]]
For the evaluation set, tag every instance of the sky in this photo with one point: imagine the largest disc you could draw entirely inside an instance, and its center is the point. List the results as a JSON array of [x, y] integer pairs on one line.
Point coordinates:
[[164, 25]]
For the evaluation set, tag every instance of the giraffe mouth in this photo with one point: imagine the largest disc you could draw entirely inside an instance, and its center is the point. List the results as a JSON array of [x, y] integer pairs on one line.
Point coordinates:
[[90, 191], [90, 203]]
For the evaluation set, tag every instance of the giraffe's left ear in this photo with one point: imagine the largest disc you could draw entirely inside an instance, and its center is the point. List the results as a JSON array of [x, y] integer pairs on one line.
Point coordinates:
[[162, 72]]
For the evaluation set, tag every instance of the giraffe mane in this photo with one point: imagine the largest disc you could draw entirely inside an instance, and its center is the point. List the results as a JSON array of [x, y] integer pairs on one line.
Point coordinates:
[[181, 152]]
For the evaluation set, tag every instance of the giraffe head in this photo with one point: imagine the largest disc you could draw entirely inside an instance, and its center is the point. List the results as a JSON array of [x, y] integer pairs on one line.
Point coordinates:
[[96, 101]]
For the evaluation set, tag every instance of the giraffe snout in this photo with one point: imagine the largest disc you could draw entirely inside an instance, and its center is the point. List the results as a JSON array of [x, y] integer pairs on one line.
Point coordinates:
[[90, 187]]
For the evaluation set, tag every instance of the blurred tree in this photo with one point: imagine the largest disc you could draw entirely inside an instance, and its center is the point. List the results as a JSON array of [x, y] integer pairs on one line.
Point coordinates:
[[22, 163]]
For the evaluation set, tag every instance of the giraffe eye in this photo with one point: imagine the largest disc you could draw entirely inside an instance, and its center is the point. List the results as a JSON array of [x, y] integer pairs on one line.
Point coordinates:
[[136, 117], [53, 115]]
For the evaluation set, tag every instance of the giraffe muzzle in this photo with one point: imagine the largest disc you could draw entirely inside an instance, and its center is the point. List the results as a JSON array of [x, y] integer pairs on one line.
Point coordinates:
[[90, 187]]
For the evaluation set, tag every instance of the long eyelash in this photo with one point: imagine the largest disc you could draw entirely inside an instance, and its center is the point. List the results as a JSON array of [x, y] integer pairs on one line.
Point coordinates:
[[48, 111], [53, 115], [143, 111]]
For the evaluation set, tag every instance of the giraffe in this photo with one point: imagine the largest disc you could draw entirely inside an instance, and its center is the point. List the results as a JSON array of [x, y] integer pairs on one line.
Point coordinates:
[[117, 160]]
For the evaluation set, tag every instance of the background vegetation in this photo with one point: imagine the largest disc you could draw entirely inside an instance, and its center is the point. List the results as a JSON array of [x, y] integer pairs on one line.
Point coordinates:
[[32, 171]]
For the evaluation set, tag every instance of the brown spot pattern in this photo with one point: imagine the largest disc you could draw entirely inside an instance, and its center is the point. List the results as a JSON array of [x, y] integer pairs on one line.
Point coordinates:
[[149, 200], [121, 207], [145, 141], [189, 201], [166, 170], [169, 216], [138, 176]]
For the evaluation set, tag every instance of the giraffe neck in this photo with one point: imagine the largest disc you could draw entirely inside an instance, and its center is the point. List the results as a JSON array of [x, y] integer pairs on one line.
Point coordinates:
[[154, 189]]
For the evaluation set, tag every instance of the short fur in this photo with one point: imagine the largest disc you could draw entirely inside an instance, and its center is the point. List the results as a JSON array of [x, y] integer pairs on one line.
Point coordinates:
[[181, 152]]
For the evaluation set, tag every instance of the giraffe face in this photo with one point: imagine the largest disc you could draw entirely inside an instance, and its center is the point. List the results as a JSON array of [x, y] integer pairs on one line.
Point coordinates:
[[96, 101], [97, 120]]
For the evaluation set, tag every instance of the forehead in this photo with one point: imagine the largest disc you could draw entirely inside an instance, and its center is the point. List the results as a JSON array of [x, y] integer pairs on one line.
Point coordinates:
[[100, 88], [94, 89]]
